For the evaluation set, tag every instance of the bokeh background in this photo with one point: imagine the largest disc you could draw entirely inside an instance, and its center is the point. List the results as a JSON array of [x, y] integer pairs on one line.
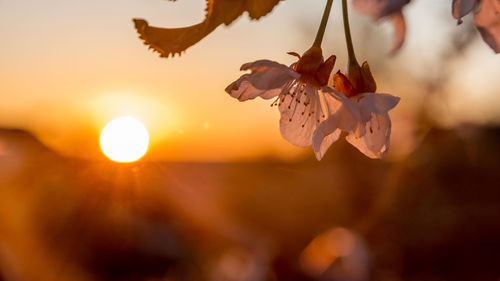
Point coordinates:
[[220, 195]]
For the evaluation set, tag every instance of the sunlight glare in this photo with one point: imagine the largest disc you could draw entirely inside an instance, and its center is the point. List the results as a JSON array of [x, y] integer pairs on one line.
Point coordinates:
[[124, 139]]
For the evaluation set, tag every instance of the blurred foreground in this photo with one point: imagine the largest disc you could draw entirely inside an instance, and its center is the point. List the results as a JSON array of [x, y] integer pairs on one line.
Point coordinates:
[[432, 216]]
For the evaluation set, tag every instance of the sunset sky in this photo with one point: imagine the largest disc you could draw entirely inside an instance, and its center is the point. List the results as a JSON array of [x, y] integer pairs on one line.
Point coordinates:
[[69, 67]]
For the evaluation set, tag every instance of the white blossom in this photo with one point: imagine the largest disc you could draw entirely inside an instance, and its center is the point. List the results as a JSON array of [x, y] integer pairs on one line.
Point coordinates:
[[298, 91], [361, 113]]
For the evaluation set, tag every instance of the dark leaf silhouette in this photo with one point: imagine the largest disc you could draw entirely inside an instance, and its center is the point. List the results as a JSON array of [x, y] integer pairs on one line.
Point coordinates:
[[168, 41]]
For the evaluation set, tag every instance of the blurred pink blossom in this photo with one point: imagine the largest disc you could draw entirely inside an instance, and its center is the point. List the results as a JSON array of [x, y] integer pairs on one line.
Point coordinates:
[[486, 18]]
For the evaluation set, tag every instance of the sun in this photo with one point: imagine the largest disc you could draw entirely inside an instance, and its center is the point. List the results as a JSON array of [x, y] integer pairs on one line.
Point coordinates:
[[124, 139]]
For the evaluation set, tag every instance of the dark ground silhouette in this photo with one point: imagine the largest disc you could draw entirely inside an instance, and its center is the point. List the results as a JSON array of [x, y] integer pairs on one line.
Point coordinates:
[[432, 216]]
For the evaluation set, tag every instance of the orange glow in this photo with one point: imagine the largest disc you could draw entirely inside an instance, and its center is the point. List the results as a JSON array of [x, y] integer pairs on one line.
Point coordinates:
[[325, 249], [124, 139]]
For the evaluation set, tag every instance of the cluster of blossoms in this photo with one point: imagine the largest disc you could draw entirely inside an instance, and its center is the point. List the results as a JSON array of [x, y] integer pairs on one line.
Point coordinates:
[[313, 112], [316, 109]]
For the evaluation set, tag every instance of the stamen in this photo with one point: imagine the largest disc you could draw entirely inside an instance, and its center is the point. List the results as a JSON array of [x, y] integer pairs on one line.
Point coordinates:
[[297, 101], [307, 118], [275, 102], [292, 97], [308, 100], [285, 92], [320, 111]]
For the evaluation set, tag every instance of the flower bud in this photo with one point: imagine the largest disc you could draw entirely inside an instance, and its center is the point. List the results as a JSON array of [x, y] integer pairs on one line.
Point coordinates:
[[310, 61]]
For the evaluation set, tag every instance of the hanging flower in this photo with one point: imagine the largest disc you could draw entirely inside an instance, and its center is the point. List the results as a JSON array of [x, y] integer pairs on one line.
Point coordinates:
[[389, 9], [362, 113], [298, 92], [486, 18]]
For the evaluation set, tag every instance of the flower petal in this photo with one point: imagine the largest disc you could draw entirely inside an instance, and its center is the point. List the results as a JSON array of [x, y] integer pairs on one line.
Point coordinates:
[[487, 21], [266, 80], [399, 23], [300, 113], [375, 142], [393, 6], [373, 103], [348, 110], [386, 8], [460, 8], [321, 143], [345, 118], [372, 8], [379, 8]]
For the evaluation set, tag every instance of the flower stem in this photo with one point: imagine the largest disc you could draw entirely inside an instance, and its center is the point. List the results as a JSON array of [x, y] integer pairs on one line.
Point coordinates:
[[347, 31], [322, 26]]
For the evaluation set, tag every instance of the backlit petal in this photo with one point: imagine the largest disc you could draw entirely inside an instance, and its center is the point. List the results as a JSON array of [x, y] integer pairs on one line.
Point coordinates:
[[349, 104], [266, 80], [346, 118], [300, 114], [375, 142], [321, 143], [373, 103]]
